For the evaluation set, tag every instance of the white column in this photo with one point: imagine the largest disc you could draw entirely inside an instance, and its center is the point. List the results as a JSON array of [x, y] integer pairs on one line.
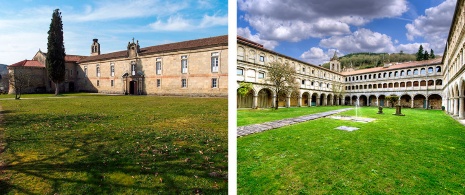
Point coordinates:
[[456, 106], [255, 101], [299, 101], [288, 101], [461, 106]]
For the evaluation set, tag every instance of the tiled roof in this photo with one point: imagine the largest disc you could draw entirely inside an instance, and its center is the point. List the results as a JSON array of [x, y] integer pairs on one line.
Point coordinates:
[[73, 58], [395, 66], [248, 42], [179, 46], [28, 63]]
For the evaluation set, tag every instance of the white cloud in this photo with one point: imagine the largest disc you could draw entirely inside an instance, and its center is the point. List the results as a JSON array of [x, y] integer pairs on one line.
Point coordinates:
[[434, 25], [245, 32], [179, 23], [362, 40], [301, 19], [214, 20], [412, 48], [317, 56]]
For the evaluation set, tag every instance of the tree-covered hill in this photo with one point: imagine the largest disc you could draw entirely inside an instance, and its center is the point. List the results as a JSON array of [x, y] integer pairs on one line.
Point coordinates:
[[370, 60]]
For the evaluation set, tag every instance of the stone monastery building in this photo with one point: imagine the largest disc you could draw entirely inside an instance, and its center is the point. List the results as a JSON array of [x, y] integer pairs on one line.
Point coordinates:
[[189, 68], [436, 83]]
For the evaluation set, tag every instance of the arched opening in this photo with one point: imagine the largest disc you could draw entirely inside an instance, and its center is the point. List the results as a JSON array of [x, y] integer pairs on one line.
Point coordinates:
[[322, 98], [306, 99], [354, 100], [363, 100], [415, 83], [406, 101], [402, 84], [430, 83], [435, 101], [409, 84], [329, 99], [245, 101], [422, 83], [294, 101], [438, 82], [372, 100], [396, 85], [314, 98], [390, 85], [419, 101], [381, 100], [385, 85], [265, 98], [347, 100], [438, 69], [282, 99]]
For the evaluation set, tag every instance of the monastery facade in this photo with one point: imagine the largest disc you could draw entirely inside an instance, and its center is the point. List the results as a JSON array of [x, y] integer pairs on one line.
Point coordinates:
[[189, 68], [419, 84]]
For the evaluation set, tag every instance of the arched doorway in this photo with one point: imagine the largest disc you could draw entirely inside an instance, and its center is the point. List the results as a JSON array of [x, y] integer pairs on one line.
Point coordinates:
[[245, 101], [372, 100], [363, 100], [314, 99], [306, 99], [322, 98], [381, 99], [435, 101], [406, 101], [347, 100], [294, 99], [265, 98], [419, 101]]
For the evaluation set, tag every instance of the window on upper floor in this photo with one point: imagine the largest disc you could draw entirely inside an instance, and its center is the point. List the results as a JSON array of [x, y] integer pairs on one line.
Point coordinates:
[[438, 69], [98, 70], [261, 75], [215, 64], [112, 69], [262, 58], [85, 71], [430, 70], [158, 66], [240, 72], [184, 64], [303, 82]]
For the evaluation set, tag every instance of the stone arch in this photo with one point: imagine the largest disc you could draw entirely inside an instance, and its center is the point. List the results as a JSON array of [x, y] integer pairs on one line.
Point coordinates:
[[402, 84], [240, 53], [294, 99], [347, 100], [409, 84], [322, 98], [329, 99], [381, 99], [419, 101], [265, 98], [396, 85], [435, 101], [354, 100], [245, 101], [422, 83], [363, 100], [306, 99], [314, 99], [406, 100], [372, 100]]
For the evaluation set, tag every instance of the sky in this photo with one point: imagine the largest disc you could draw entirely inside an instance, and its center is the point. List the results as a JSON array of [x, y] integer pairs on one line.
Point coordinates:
[[312, 30], [24, 24]]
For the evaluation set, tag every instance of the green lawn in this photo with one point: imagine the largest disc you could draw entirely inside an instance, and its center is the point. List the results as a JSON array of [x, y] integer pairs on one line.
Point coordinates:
[[255, 116], [420, 153], [95, 144]]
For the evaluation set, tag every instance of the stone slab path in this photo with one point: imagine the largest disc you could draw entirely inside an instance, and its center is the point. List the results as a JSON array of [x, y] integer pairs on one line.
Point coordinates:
[[257, 128]]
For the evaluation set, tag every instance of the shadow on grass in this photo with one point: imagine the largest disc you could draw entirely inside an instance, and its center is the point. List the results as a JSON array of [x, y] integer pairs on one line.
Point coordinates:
[[79, 155]]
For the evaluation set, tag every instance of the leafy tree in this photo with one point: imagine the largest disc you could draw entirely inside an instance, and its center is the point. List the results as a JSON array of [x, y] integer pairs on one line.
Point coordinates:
[[55, 61], [392, 100], [244, 88], [282, 77], [426, 56], [431, 54], [420, 53]]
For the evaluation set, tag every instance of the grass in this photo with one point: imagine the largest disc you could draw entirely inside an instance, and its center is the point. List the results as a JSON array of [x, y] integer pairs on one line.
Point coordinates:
[[255, 116], [420, 153], [94, 144]]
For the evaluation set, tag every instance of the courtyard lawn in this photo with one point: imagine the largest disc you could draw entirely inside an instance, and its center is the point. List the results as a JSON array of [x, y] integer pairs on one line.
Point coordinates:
[[96, 144], [255, 116], [420, 153]]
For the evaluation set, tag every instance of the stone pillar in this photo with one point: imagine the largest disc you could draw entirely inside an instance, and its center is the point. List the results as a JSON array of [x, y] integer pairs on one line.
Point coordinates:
[[377, 101], [343, 101], [273, 101], [427, 103], [412, 106], [325, 101], [337, 101], [461, 106], [317, 103], [255, 101], [288, 101], [456, 110], [299, 101], [350, 101]]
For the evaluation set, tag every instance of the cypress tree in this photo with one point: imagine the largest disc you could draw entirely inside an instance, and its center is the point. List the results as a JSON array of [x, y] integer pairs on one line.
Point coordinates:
[[431, 54], [420, 54], [55, 61], [426, 56]]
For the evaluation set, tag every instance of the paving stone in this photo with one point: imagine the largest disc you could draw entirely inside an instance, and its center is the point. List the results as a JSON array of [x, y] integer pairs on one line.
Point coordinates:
[[257, 128]]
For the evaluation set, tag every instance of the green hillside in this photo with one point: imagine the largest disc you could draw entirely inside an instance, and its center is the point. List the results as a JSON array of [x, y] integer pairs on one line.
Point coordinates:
[[370, 60]]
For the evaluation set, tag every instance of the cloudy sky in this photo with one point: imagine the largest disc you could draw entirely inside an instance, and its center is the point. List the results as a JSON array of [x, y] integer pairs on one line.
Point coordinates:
[[24, 24], [311, 30]]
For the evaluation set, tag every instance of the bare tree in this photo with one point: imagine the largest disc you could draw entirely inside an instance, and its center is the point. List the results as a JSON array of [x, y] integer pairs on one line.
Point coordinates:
[[282, 77], [338, 89], [20, 79]]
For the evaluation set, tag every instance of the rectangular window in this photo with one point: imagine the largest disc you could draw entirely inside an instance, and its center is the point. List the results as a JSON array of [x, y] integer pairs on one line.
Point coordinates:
[[98, 83], [158, 82], [214, 82], [112, 69], [303, 82], [183, 83], [183, 64], [262, 58], [261, 75], [133, 68], [240, 72], [71, 72], [215, 63], [112, 83], [158, 66], [85, 71], [303, 69]]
